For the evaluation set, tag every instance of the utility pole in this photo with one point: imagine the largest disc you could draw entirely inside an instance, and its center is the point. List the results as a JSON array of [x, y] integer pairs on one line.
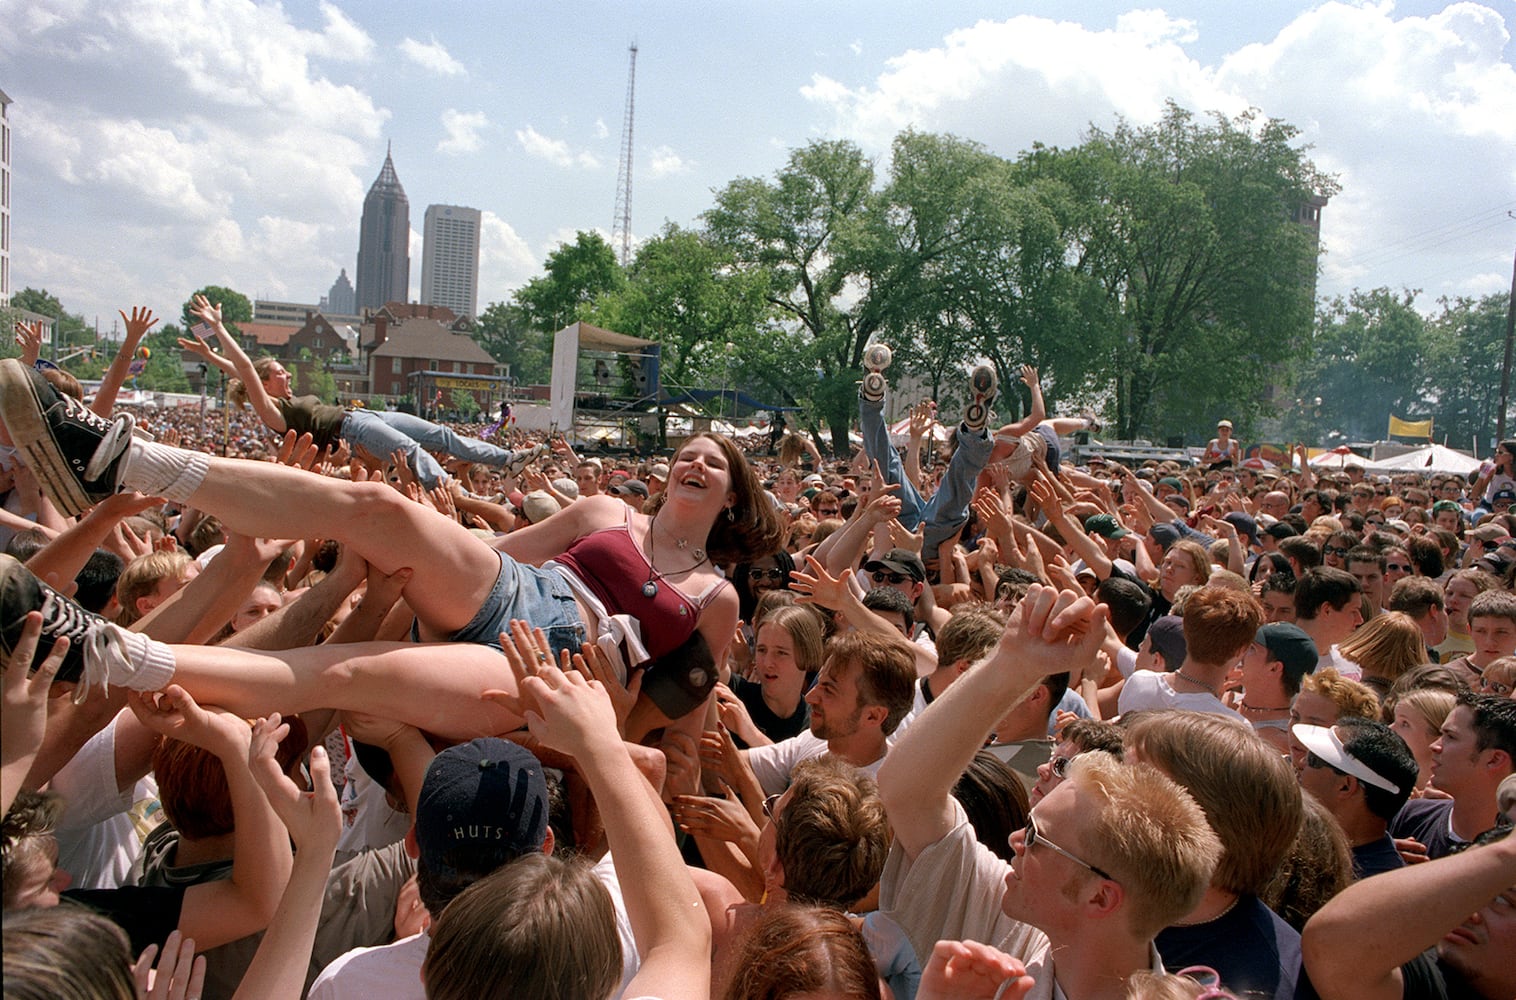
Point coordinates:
[[1505, 369], [621, 226]]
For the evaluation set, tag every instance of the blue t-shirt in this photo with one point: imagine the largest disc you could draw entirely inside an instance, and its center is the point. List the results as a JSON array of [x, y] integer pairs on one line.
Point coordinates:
[[1255, 952]]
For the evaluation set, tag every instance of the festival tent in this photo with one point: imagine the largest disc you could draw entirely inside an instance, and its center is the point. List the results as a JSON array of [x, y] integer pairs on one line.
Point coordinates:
[[1334, 458], [1432, 458], [900, 432]]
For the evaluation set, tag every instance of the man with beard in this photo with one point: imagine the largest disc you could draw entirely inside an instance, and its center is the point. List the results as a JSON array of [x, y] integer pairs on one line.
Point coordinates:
[[864, 690]]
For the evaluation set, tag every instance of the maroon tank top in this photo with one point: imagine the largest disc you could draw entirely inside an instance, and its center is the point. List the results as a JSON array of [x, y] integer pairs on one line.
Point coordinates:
[[615, 569]]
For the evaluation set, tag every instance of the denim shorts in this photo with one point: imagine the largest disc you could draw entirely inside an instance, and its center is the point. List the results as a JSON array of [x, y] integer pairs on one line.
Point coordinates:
[[540, 597], [1055, 453]]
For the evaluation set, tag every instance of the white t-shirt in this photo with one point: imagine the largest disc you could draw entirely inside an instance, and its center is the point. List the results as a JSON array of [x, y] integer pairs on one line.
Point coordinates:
[[393, 971], [1149, 690], [1340, 663], [103, 828], [773, 764]]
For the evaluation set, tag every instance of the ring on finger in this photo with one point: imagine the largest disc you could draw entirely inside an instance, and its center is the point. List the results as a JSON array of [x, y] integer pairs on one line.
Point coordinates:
[[541, 656]]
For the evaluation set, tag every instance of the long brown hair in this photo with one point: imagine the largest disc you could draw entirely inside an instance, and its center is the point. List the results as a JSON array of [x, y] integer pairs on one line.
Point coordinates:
[[236, 392], [796, 950], [755, 529]]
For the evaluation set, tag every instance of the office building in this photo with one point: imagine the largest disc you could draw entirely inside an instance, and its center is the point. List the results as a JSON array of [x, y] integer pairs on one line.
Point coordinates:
[[341, 300], [384, 258], [450, 259]]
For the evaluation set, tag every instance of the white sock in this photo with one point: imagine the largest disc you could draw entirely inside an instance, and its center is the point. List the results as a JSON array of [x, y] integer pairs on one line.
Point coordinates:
[[151, 663], [161, 471]]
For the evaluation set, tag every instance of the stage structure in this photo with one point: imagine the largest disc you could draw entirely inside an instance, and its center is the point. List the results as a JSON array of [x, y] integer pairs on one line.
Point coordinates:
[[605, 386]]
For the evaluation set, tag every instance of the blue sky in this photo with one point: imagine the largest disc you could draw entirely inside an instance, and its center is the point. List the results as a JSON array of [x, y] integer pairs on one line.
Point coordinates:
[[160, 145]]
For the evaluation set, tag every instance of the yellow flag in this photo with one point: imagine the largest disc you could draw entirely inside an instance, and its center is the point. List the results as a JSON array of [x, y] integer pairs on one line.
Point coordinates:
[[1410, 428]]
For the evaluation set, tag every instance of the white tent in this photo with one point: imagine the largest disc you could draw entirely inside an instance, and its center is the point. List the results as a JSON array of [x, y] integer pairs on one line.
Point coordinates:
[[1432, 458], [900, 432]]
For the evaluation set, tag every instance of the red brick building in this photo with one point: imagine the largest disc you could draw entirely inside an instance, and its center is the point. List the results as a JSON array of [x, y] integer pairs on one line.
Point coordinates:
[[401, 341]]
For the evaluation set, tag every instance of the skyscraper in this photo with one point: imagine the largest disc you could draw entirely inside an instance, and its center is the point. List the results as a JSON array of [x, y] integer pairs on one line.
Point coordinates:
[[384, 258], [341, 299], [450, 259]]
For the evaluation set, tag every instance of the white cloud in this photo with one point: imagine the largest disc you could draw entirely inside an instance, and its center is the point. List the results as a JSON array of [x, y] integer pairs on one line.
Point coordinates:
[[554, 151], [1416, 114], [601, 131], [202, 143], [463, 131], [431, 56], [506, 262], [667, 163]]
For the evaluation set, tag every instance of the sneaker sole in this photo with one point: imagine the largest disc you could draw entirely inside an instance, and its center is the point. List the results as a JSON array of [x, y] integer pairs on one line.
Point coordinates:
[[22, 412]]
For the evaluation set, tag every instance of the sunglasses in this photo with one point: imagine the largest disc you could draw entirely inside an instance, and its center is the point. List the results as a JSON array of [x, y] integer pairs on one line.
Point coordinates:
[[1314, 762], [769, 804], [1033, 838], [1494, 687], [1059, 766], [881, 578], [765, 574], [1396, 568]]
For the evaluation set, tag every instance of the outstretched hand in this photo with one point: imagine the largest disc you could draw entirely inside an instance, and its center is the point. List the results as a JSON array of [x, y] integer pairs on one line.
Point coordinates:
[[314, 819], [173, 713], [573, 714], [969, 970], [138, 323], [818, 586], [29, 339], [1051, 631]]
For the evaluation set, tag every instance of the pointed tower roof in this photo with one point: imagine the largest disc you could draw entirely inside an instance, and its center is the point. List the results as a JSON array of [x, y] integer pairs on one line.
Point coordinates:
[[388, 182]]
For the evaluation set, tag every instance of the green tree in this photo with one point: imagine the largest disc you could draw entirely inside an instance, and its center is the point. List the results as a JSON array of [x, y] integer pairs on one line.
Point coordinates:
[[798, 235], [684, 292], [505, 331], [1466, 350], [464, 402], [69, 329], [235, 308], [576, 273], [1189, 229], [1358, 365]]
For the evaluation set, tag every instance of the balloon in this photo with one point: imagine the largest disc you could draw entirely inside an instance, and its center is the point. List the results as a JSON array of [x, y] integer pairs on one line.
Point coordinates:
[[145, 353]]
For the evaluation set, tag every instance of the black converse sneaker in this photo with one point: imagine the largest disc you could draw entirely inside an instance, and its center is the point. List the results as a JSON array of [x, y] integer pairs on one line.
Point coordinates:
[[98, 651], [875, 360], [73, 452], [983, 382]]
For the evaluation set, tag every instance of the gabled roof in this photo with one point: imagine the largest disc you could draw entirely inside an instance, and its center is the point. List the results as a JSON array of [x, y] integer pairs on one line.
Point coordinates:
[[268, 334], [425, 338]]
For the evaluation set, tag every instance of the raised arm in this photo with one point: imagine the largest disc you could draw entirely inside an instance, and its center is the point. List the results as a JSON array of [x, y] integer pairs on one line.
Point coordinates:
[[63, 557], [1037, 414], [1091, 551], [1049, 632], [137, 324], [242, 365], [575, 716], [217, 912], [1385, 921], [314, 822]]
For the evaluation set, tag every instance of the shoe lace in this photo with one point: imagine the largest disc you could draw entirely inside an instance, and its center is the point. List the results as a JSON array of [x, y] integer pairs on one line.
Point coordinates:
[[79, 411], [112, 443], [98, 644]]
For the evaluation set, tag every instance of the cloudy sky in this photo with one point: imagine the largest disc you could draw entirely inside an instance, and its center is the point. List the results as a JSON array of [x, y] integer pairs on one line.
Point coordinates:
[[161, 145]]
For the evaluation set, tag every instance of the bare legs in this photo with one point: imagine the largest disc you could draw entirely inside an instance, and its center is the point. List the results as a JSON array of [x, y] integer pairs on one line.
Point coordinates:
[[433, 687], [453, 570]]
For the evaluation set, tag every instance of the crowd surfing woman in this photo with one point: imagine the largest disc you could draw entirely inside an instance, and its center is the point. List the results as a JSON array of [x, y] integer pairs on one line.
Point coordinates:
[[645, 587], [265, 384]]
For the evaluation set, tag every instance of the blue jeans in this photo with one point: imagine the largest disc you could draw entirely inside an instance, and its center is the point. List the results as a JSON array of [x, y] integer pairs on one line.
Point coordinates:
[[948, 508], [539, 596], [383, 431]]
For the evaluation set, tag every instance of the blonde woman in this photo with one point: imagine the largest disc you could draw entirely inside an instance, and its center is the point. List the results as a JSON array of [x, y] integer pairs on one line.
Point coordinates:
[[1418, 718], [1386, 647]]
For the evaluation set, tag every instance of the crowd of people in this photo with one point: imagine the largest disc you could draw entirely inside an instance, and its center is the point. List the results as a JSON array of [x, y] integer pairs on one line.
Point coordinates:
[[302, 701]]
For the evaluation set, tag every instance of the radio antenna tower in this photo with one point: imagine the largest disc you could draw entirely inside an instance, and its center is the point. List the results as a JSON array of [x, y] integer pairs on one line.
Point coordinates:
[[621, 227]]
